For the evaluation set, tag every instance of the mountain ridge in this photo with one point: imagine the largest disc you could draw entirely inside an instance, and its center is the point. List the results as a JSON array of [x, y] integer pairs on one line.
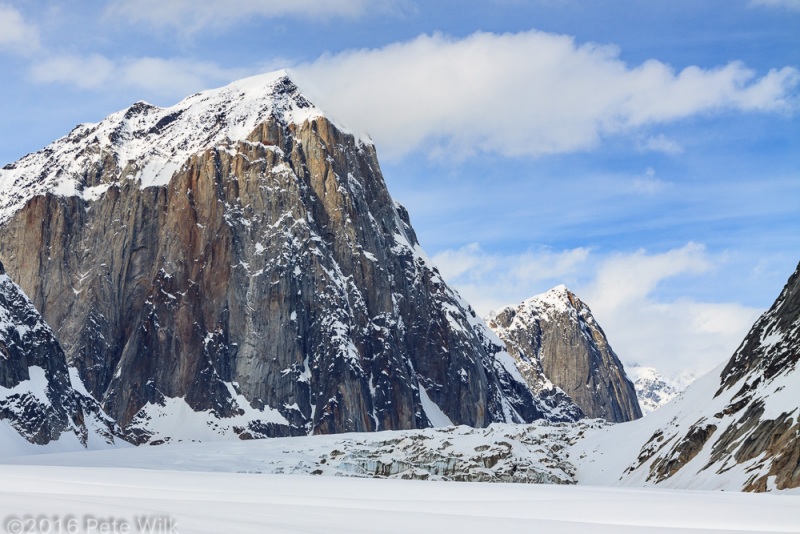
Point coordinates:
[[737, 427], [147, 143], [270, 278]]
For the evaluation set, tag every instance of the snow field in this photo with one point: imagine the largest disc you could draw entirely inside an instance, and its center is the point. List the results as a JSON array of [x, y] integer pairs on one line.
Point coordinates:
[[197, 502]]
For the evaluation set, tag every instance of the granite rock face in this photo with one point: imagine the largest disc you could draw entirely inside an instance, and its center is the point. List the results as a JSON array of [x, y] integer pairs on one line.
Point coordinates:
[[557, 342], [37, 397], [238, 256]]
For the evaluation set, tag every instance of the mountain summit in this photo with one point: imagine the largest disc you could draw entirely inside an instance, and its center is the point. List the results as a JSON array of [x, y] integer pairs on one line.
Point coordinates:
[[557, 342], [234, 266], [147, 144]]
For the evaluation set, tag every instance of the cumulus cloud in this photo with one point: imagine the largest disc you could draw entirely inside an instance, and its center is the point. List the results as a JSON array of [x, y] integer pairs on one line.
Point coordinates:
[[523, 94], [529, 93], [670, 335], [17, 35], [174, 78], [622, 291], [489, 281], [190, 16]]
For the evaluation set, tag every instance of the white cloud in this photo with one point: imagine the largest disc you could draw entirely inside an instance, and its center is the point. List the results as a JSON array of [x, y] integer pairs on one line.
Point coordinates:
[[523, 94], [649, 184], [622, 291], [87, 72], [661, 143], [173, 78], [179, 77], [16, 35], [527, 93], [793, 5], [190, 16], [489, 281], [622, 278], [671, 335]]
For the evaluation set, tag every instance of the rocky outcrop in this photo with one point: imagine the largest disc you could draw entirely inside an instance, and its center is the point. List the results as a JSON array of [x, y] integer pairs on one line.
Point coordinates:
[[37, 396], [238, 256], [557, 342], [740, 425]]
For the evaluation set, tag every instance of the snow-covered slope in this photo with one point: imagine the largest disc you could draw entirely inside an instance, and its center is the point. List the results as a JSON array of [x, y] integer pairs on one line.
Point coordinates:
[[234, 503], [245, 486], [655, 389], [737, 427], [148, 143]]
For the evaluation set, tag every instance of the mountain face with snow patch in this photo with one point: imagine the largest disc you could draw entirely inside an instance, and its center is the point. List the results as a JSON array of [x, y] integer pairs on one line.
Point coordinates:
[[234, 265], [37, 396], [736, 428], [560, 348]]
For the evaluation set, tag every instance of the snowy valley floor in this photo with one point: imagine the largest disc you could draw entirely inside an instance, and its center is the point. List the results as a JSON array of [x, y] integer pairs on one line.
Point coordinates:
[[191, 501], [268, 486]]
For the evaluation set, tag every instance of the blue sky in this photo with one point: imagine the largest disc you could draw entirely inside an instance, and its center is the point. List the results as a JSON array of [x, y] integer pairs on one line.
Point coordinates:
[[645, 153]]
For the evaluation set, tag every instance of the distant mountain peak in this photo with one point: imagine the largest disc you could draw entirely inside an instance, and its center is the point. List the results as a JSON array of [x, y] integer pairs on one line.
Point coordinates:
[[656, 389], [557, 341]]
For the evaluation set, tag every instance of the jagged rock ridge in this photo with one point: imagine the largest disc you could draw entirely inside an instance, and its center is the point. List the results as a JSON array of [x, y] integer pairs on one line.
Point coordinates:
[[235, 265], [738, 426], [37, 395], [557, 342]]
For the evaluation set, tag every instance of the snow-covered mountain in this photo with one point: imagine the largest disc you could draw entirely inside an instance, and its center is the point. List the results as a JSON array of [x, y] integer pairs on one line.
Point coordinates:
[[560, 348], [41, 399], [654, 389], [234, 266], [148, 144], [737, 427]]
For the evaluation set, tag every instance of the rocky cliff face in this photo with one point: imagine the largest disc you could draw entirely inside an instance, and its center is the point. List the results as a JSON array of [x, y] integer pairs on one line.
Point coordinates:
[[740, 425], [557, 342], [37, 396], [235, 265]]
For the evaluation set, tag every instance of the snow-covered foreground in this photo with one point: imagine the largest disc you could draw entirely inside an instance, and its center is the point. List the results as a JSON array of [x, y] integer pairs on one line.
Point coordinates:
[[191, 501]]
